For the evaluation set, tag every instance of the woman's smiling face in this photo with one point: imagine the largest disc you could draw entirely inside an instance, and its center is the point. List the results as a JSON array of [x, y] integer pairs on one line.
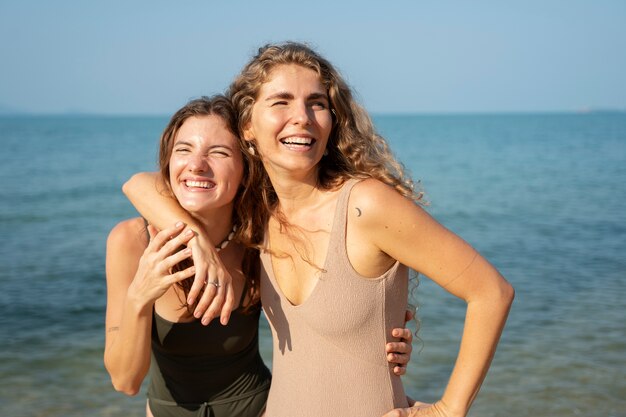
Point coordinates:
[[206, 165], [291, 120]]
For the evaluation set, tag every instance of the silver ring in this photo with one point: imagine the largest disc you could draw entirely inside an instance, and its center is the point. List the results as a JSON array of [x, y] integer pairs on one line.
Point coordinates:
[[216, 283]]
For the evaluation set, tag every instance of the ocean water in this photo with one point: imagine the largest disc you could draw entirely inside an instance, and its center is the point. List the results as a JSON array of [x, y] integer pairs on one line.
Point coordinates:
[[542, 196]]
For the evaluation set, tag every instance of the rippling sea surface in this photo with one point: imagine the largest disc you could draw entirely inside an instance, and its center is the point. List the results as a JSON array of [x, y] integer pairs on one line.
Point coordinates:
[[542, 196]]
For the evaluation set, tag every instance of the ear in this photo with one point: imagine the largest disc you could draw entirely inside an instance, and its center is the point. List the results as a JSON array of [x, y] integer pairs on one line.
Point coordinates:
[[248, 134]]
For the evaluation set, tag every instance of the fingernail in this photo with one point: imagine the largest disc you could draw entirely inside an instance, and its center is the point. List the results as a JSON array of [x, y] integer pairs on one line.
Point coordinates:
[[178, 224], [190, 301], [189, 232]]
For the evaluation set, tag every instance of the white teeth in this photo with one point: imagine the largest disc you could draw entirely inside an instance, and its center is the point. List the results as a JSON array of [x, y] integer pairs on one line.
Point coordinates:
[[198, 184], [298, 141]]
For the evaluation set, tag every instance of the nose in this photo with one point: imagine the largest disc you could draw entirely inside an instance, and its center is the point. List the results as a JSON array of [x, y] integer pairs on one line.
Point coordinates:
[[197, 163], [301, 113]]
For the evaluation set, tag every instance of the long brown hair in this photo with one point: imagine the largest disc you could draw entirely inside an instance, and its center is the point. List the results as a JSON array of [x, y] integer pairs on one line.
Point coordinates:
[[220, 106], [354, 148]]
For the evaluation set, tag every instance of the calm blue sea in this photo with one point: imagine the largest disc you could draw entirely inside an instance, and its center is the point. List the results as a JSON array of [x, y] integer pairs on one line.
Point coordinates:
[[543, 196]]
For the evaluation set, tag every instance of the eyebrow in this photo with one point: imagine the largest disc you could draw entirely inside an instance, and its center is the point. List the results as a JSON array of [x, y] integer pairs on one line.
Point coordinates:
[[285, 95], [219, 145], [182, 142]]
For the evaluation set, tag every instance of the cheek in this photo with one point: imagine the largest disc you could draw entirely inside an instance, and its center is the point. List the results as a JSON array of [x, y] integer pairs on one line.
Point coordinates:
[[175, 166], [266, 122], [236, 173], [325, 121], [230, 170]]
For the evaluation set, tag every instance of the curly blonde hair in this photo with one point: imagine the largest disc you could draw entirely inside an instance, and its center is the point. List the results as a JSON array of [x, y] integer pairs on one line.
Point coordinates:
[[355, 149]]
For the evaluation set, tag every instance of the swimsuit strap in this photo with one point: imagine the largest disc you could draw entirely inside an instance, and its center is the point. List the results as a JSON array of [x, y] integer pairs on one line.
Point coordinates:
[[338, 232], [246, 286]]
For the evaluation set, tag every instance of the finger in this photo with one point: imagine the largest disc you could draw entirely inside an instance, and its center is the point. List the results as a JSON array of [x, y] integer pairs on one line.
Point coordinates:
[[403, 334], [398, 347], [181, 275], [421, 409], [200, 277], [392, 347], [196, 287], [205, 301], [176, 258], [408, 315], [215, 306], [213, 300], [175, 242], [398, 412], [400, 359], [397, 358], [164, 235], [229, 303], [399, 370]]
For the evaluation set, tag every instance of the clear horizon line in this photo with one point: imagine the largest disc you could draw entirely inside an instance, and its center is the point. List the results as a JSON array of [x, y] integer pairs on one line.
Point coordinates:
[[372, 113]]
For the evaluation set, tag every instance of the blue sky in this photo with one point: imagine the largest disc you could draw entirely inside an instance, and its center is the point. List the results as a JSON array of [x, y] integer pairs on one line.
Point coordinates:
[[150, 57]]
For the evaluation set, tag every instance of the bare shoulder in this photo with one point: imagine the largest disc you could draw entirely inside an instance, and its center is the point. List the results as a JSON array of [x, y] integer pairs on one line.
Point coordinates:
[[376, 212], [126, 244], [372, 199], [369, 193], [128, 235]]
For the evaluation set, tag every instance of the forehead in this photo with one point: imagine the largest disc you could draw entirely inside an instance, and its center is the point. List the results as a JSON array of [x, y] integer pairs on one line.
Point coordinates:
[[209, 128], [292, 78]]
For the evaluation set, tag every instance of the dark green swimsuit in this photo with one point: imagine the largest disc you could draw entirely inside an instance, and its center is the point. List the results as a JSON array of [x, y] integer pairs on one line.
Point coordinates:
[[209, 370]]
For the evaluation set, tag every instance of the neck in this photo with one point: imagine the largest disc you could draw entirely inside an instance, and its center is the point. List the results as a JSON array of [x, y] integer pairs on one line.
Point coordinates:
[[295, 193], [217, 224]]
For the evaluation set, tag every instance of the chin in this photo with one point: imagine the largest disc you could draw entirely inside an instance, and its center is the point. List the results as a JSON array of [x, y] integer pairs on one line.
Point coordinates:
[[192, 206]]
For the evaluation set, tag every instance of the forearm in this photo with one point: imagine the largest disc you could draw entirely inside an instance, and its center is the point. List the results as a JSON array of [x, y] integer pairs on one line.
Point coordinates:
[[485, 319], [127, 358], [145, 191]]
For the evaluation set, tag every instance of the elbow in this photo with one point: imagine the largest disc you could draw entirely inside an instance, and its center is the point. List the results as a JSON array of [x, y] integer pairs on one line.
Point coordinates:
[[126, 386], [128, 389], [498, 295], [126, 187], [133, 184], [506, 294], [123, 382]]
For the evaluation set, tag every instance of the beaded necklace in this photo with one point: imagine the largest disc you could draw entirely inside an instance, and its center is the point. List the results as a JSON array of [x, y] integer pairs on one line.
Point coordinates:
[[226, 241]]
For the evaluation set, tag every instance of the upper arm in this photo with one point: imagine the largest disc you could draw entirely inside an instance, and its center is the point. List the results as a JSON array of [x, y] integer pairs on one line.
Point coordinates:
[[125, 245], [396, 226]]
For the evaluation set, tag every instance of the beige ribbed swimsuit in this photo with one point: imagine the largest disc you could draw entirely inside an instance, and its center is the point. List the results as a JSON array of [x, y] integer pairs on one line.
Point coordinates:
[[329, 352]]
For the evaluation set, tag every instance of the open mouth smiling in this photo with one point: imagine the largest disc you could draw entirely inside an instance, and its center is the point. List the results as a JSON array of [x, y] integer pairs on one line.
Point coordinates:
[[298, 142], [206, 185]]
